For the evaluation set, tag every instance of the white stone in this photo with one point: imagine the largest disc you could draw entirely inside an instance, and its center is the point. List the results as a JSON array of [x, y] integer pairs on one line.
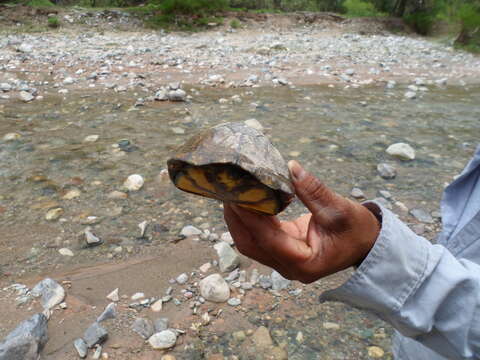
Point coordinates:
[[182, 279], [26, 96], [278, 281], [91, 138], [68, 81], [134, 182], [234, 301], [205, 267], [113, 296], [401, 150], [190, 230], [157, 306], [227, 237], [214, 288], [410, 95], [66, 252], [254, 123], [228, 259], [51, 292], [163, 340], [11, 137], [138, 296]]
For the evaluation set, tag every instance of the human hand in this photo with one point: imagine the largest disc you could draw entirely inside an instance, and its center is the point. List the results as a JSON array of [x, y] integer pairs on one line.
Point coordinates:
[[336, 234]]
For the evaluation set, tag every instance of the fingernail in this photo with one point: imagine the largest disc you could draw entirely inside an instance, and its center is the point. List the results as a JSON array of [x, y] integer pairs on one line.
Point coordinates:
[[296, 170]]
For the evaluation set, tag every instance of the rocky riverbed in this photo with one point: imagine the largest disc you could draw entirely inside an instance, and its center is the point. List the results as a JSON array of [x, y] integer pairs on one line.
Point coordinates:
[[88, 120]]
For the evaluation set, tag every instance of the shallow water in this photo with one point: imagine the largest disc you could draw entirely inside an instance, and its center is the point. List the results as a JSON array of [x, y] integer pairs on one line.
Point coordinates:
[[340, 135]]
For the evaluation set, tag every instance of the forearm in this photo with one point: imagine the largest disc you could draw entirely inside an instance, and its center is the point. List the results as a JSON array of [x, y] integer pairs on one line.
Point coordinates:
[[420, 288]]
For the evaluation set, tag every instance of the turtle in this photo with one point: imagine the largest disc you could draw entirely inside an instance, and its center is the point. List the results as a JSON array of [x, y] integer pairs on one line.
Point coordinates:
[[233, 162]]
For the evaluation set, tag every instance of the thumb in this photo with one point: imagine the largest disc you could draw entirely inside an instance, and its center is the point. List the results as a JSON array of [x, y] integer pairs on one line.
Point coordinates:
[[327, 208]]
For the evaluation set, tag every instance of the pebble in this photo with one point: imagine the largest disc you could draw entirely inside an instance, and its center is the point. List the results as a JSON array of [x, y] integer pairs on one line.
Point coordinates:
[[54, 214], [65, 252], [228, 258], [134, 182], [51, 293], [91, 138], [168, 357], [117, 195], [386, 194], [205, 267], [234, 301], [410, 95], [71, 194], [26, 96], [261, 338], [110, 312], [95, 334], [178, 130], [227, 237], [265, 282], [214, 288], [357, 193], [81, 347], [163, 340], [375, 352], [190, 230], [182, 278], [386, 171], [331, 326], [91, 239], [157, 306], [137, 296], [143, 327], [113, 296], [177, 95], [239, 336], [422, 215], [11, 137], [402, 151], [279, 282]]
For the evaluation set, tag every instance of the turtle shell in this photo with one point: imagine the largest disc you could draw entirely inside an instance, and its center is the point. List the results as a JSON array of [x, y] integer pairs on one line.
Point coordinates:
[[233, 162]]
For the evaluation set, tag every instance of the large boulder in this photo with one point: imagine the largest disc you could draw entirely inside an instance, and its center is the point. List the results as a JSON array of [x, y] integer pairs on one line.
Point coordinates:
[[26, 341]]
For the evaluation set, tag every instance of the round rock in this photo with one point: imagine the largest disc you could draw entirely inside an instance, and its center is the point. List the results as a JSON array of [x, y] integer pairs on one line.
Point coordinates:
[[163, 340], [134, 182], [214, 288]]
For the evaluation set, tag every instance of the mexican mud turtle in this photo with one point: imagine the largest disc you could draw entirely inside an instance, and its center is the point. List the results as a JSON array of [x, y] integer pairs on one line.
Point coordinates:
[[236, 163]]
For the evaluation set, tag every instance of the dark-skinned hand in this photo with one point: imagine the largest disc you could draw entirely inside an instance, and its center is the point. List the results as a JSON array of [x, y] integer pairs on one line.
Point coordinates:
[[336, 234]]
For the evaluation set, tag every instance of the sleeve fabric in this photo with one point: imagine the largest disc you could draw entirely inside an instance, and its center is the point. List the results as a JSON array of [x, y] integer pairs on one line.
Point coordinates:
[[421, 289]]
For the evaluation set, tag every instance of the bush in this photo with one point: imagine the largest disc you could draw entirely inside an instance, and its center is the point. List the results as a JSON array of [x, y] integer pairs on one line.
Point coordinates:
[[192, 7], [421, 21], [469, 16], [53, 22], [359, 8], [235, 24]]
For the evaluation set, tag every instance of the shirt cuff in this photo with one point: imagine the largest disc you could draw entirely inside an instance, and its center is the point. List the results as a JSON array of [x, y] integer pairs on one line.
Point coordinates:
[[391, 272]]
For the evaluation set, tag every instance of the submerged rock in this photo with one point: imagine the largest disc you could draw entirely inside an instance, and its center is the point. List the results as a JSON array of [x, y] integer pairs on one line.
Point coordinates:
[[386, 171]]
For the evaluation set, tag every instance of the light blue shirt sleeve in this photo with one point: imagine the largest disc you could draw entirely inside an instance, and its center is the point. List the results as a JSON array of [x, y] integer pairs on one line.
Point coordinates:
[[430, 293]]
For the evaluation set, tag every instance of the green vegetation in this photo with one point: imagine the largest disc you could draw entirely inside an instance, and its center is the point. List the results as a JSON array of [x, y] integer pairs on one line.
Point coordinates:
[[235, 24], [359, 8], [40, 3], [53, 22]]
